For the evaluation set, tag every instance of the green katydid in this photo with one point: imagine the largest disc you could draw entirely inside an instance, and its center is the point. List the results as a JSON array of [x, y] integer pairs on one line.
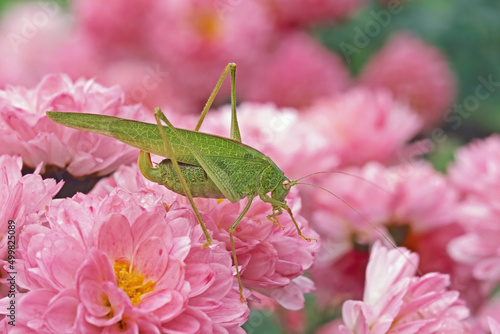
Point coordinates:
[[198, 164]]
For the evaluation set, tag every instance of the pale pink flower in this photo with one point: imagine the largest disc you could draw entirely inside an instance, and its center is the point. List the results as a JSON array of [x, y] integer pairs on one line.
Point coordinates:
[[124, 261], [295, 72], [412, 205], [297, 12], [476, 174], [26, 130], [416, 73], [397, 301], [364, 125], [272, 259]]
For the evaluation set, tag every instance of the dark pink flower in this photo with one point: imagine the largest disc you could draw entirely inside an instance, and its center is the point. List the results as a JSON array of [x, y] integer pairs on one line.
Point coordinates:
[[412, 205], [416, 73], [27, 131]]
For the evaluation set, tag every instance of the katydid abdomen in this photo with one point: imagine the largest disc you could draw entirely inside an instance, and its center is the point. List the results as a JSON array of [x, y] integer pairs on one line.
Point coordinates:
[[199, 182]]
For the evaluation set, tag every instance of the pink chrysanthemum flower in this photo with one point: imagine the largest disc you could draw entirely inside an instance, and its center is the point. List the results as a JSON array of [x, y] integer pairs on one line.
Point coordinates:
[[23, 200], [296, 72], [272, 259], [476, 174], [397, 301], [364, 125], [27, 131], [125, 262], [413, 205], [415, 73]]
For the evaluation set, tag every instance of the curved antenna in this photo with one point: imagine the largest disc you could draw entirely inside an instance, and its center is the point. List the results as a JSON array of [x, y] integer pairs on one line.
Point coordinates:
[[381, 232], [343, 173]]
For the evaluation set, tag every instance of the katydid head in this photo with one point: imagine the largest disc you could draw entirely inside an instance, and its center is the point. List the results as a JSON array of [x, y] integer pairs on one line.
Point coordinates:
[[282, 189]]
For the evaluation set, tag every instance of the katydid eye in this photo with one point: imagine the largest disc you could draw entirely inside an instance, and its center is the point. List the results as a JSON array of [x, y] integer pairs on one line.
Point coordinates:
[[286, 184]]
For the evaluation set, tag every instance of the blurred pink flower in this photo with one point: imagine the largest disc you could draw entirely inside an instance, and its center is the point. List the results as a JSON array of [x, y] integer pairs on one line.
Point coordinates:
[[413, 205], [364, 125], [195, 40], [295, 72], [416, 73], [397, 301], [29, 33], [124, 261], [121, 24], [271, 259], [297, 12], [480, 209], [27, 131]]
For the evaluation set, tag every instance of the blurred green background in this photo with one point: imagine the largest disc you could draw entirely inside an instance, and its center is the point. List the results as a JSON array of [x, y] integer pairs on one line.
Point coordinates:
[[467, 32]]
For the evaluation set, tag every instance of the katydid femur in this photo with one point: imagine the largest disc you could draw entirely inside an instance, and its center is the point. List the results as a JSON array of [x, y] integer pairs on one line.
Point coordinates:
[[229, 170]]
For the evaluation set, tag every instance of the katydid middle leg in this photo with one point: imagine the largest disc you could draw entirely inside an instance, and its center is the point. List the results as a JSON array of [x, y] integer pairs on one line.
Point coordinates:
[[161, 117], [233, 249]]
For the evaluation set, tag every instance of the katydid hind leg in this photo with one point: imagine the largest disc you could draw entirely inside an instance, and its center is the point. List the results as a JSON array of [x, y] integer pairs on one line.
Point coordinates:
[[233, 249], [159, 117], [235, 130]]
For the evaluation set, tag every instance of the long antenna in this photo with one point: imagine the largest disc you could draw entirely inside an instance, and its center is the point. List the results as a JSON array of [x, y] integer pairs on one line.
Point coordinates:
[[344, 173], [381, 232]]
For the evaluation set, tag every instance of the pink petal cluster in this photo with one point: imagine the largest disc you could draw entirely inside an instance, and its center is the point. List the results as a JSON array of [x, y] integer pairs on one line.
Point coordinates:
[[271, 259], [413, 205], [368, 122], [397, 301], [476, 175], [295, 73], [23, 200], [416, 73], [123, 262], [28, 131]]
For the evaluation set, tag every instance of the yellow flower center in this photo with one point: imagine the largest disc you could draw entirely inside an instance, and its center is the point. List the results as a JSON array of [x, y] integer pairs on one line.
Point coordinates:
[[207, 24], [130, 282]]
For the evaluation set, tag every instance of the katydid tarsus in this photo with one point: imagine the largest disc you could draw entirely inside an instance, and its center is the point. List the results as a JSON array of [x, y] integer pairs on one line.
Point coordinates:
[[198, 164]]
